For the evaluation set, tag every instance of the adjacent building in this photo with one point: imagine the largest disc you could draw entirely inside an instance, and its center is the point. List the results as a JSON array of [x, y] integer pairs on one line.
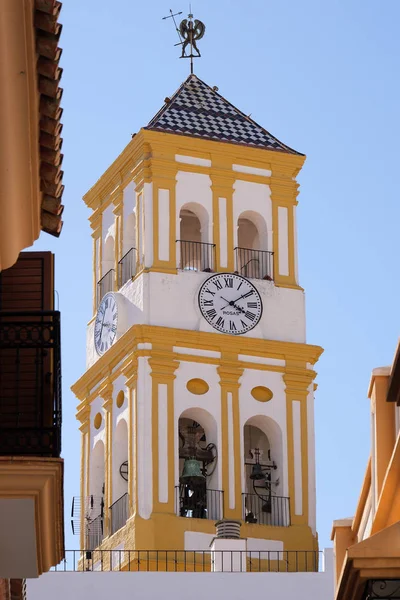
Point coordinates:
[[31, 470], [367, 546]]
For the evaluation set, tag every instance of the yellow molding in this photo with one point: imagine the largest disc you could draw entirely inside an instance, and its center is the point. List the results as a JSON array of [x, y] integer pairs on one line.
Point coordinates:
[[283, 166], [127, 344], [41, 480]]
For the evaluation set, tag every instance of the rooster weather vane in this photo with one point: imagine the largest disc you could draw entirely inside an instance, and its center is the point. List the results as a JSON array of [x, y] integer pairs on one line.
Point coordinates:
[[189, 32]]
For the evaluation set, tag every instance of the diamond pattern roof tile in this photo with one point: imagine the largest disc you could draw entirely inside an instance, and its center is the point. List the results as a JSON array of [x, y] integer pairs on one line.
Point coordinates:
[[197, 110]]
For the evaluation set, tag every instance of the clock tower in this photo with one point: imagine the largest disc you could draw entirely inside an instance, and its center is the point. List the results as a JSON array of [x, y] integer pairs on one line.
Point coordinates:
[[197, 400]]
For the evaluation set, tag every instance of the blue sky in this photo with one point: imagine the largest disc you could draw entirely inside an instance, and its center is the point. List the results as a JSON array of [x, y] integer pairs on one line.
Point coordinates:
[[322, 77]]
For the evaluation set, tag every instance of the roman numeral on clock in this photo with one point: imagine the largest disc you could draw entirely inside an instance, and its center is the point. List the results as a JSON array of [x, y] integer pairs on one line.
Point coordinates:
[[250, 293], [232, 326], [252, 305], [208, 303], [249, 315], [212, 313], [209, 292], [228, 282], [217, 284], [220, 322]]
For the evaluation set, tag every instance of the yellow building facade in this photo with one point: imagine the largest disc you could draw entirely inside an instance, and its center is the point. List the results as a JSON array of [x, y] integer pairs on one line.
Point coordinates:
[[197, 401], [366, 546]]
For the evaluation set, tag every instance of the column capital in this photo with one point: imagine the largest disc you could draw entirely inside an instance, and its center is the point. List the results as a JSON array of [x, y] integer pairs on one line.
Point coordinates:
[[106, 392], [83, 415], [130, 373], [163, 364], [298, 379], [229, 373]]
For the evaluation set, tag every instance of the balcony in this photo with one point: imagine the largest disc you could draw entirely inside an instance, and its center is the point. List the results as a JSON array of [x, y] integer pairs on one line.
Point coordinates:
[[30, 384], [119, 513], [192, 561], [31, 470], [94, 532], [254, 264], [202, 504], [196, 256], [127, 267], [105, 285], [266, 510]]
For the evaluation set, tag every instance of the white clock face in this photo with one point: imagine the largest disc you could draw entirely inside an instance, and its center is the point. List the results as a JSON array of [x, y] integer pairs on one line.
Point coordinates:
[[230, 303], [105, 327]]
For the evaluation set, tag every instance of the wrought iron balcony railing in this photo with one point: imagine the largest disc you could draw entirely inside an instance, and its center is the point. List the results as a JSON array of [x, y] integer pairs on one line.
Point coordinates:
[[196, 256], [254, 264], [105, 285], [94, 533], [202, 504], [119, 513], [266, 510], [127, 267], [30, 383], [199, 561]]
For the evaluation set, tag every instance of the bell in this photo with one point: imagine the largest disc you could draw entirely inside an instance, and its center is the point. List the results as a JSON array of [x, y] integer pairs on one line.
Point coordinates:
[[257, 473], [191, 473]]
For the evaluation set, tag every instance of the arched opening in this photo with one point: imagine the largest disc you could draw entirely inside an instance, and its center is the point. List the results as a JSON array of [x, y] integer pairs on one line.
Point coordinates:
[[196, 253], [108, 254], [252, 256], [197, 492], [119, 506], [106, 283], [94, 509], [127, 263], [263, 472]]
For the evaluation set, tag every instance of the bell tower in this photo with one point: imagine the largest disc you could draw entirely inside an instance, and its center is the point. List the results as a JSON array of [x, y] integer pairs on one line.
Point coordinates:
[[197, 400]]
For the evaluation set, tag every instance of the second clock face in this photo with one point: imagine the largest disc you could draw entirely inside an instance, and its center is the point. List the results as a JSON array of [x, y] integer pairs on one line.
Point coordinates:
[[230, 303]]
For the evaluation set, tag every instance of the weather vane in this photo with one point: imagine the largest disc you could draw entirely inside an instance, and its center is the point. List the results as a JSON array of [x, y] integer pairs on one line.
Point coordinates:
[[189, 33]]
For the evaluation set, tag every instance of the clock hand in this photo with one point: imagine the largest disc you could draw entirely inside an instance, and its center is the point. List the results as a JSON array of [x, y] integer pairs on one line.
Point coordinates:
[[232, 303]]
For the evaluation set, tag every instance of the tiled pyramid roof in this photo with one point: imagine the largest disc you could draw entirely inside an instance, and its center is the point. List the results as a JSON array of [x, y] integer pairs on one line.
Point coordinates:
[[197, 110]]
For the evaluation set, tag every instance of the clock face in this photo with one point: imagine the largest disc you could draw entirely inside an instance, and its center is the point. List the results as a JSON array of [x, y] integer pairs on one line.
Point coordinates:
[[230, 303], [105, 327]]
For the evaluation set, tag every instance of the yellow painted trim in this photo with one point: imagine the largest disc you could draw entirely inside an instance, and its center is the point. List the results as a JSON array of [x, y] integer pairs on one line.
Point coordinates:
[[40, 480], [102, 368]]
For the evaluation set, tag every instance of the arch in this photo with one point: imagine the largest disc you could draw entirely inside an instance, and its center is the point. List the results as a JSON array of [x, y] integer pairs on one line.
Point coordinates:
[[252, 231], [129, 237], [264, 433], [194, 235], [210, 500], [252, 260], [97, 472], [119, 456], [194, 223], [108, 254]]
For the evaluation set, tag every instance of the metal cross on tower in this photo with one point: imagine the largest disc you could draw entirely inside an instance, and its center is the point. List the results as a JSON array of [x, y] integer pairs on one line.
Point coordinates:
[[189, 32]]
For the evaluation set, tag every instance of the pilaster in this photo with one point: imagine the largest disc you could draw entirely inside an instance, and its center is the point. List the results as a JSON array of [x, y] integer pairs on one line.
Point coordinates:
[[223, 226], [163, 367], [297, 379], [83, 416], [230, 373], [284, 191], [130, 372], [96, 225], [118, 202], [107, 394]]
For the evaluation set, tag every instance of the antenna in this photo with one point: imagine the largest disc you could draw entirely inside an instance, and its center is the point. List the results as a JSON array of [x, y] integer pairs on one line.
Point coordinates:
[[189, 33]]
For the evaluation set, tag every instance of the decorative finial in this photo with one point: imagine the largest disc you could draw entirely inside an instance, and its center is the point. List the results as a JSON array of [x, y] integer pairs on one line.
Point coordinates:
[[189, 33]]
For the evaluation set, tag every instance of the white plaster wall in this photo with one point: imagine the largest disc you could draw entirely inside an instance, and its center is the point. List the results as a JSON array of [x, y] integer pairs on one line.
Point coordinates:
[[255, 197], [148, 224], [195, 540], [283, 240], [152, 586], [163, 224], [298, 469], [275, 409], [129, 207], [312, 490], [144, 439], [167, 300], [210, 402]]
